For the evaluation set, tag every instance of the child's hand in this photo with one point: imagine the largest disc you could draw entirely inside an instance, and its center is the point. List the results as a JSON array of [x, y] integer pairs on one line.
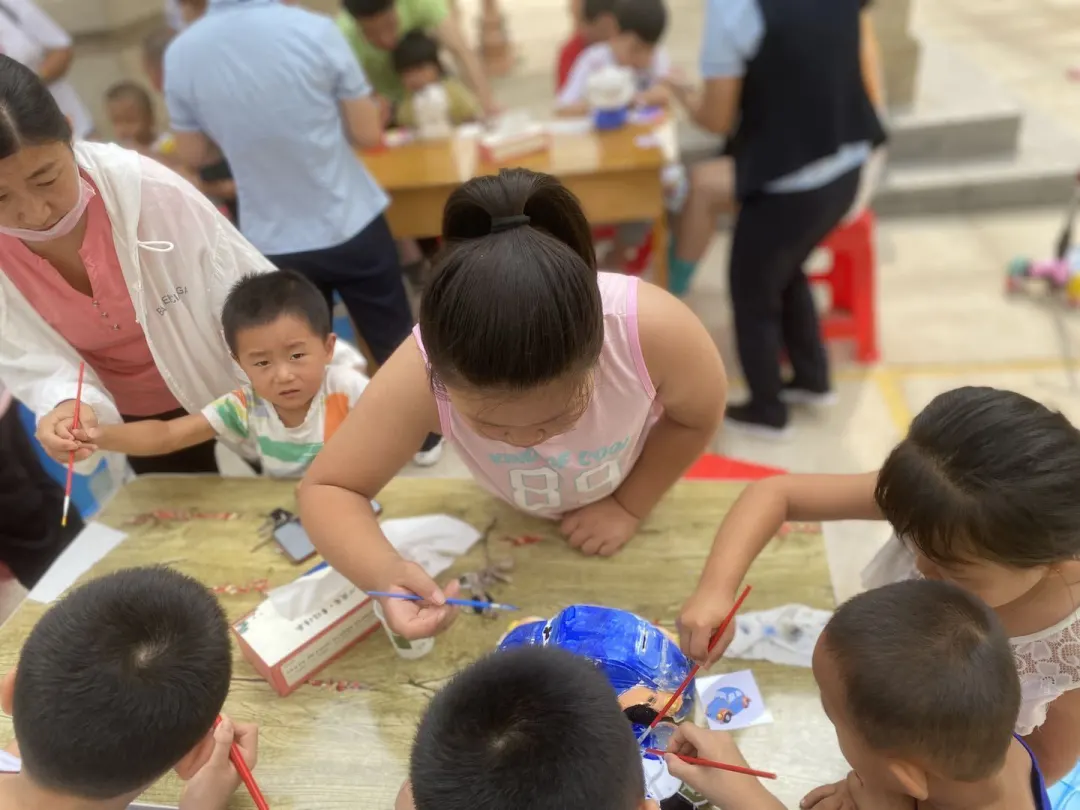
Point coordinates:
[[722, 788], [836, 796], [699, 619], [54, 432], [217, 780], [410, 619], [599, 528], [851, 794]]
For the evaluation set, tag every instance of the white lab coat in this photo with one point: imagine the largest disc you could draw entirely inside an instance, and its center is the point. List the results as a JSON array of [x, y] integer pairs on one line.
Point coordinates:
[[180, 257], [26, 34]]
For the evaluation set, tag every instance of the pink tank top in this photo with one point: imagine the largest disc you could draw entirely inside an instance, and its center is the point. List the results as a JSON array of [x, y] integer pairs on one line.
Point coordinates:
[[588, 463], [102, 327]]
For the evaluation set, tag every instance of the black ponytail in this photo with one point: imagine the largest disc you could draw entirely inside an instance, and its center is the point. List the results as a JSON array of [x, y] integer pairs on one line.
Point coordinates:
[[514, 301]]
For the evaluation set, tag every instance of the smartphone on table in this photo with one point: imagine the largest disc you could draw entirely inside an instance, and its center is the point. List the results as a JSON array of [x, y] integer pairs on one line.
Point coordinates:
[[291, 537]]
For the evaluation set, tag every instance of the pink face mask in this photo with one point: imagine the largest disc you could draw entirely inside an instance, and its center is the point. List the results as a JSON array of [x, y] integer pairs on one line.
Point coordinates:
[[65, 225]]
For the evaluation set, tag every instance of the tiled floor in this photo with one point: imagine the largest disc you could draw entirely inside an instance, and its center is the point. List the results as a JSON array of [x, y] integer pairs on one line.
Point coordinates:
[[1028, 45]]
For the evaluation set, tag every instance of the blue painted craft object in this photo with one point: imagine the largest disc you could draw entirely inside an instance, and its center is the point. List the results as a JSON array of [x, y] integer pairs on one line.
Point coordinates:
[[605, 120], [643, 664], [641, 661]]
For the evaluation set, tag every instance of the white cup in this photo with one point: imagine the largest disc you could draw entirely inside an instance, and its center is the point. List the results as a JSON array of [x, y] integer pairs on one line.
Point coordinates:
[[406, 648]]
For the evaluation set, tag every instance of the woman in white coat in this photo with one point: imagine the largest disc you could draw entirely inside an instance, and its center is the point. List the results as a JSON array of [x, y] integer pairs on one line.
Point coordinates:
[[108, 257], [30, 36]]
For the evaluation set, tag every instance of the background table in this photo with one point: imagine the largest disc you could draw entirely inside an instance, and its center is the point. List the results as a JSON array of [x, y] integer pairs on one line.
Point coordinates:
[[616, 179], [322, 749]]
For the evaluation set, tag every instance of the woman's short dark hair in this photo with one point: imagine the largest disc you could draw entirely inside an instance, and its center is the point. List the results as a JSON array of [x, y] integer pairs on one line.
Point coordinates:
[[514, 301], [986, 474], [29, 115]]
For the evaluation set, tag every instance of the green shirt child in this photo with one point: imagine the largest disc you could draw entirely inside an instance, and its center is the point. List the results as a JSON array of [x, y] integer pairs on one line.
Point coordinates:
[[425, 15]]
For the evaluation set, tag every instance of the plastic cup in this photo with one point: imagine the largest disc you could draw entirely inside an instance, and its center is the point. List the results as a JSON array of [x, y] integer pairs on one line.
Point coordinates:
[[409, 649], [605, 120]]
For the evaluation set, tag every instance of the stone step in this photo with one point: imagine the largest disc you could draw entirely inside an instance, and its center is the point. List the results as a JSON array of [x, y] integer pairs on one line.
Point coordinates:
[[1043, 171], [958, 115]]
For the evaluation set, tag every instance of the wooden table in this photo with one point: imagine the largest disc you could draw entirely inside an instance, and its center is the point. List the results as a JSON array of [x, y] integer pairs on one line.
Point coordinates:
[[616, 180], [327, 750]]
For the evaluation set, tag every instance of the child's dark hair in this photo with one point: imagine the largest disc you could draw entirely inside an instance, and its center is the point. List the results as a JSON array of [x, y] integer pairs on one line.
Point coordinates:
[[986, 474], [132, 90], [118, 681], [367, 8], [261, 298], [927, 672], [513, 302], [534, 728], [29, 115], [646, 19], [592, 9], [416, 49]]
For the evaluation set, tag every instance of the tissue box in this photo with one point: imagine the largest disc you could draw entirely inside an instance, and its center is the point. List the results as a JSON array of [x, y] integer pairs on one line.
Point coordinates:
[[286, 652], [502, 147]]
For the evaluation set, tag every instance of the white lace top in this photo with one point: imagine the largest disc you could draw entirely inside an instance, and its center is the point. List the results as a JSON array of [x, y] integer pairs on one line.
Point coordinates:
[[1049, 666], [1048, 661]]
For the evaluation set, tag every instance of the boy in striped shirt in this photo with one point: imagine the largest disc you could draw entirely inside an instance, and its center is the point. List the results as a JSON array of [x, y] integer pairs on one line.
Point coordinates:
[[278, 326]]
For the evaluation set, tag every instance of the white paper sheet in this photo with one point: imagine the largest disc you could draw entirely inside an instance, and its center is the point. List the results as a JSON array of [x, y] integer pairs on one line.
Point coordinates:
[[431, 541], [93, 543], [783, 635], [570, 126], [732, 701]]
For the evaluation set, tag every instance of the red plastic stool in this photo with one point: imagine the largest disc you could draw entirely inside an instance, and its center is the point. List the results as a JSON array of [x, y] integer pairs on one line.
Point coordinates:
[[639, 262], [853, 315]]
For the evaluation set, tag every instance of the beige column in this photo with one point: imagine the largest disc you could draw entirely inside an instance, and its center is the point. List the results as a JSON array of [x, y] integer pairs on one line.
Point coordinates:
[[900, 51]]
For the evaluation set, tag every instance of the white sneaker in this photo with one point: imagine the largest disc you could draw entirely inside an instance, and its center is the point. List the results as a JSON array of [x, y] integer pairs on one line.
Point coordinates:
[[429, 458], [804, 396]]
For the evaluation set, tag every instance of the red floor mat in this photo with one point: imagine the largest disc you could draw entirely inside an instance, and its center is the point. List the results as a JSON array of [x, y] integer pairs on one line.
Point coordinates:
[[712, 467]]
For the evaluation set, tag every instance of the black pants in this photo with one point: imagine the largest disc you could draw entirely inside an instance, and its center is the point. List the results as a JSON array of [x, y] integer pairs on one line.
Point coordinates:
[[770, 294], [31, 504], [366, 273], [197, 459]]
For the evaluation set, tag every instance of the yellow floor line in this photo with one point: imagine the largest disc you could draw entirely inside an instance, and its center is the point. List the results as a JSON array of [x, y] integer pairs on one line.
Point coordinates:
[[889, 386], [854, 374], [993, 367]]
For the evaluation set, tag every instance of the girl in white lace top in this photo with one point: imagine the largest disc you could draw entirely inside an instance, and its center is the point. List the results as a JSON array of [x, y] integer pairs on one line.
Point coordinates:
[[985, 492]]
